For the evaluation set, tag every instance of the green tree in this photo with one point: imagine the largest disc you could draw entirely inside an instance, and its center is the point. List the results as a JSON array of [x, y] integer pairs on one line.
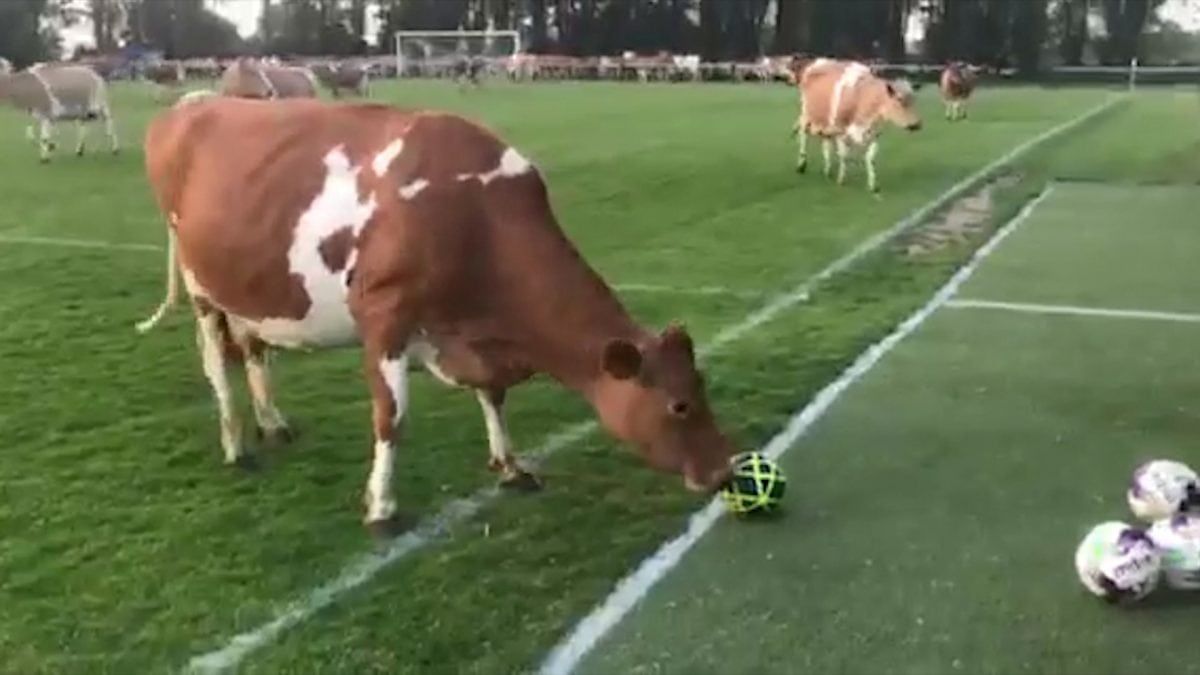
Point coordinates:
[[23, 40], [1124, 21]]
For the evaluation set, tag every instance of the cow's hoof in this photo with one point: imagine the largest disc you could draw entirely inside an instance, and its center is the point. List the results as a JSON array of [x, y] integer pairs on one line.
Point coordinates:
[[801, 167], [521, 481], [384, 529], [79, 153], [246, 462], [276, 436]]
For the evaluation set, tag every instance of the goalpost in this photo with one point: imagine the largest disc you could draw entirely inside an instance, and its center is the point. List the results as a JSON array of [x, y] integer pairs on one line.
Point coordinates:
[[429, 53]]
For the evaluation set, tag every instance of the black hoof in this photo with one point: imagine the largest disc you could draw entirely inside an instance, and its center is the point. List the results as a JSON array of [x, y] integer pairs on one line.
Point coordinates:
[[522, 482], [275, 437], [389, 528], [246, 462], [79, 153], [801, 168]]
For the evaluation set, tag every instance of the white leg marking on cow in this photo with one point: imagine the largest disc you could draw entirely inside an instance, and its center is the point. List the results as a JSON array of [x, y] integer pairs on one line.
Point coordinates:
[[337, 206], [381, 504], [46, 129], [849, 77], [384, 158], [363, 568], [80, 136], [110, 128], [499, 442], [258, 376], [827, 154], [869, 160], [843, 151], [411, 190], [569, 652], [212, 354]]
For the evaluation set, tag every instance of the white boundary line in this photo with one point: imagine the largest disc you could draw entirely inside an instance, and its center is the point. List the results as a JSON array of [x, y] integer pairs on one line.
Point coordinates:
[[361, 569], [716, 291], [632, 589], [76, 243], [1074, 310]]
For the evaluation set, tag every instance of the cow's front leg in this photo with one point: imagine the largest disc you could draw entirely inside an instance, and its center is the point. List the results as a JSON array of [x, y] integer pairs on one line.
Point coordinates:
[[211, 338], [110, 128], [802, 146], [827, 152], [512, 475], [80, 137], [869, 160], [387, 376]]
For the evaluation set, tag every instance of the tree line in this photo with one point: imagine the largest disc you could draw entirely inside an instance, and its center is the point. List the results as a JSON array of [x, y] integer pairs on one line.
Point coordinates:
[[1016, 33]]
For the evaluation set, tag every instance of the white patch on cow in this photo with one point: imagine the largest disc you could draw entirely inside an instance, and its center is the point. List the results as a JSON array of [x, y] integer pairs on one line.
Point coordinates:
[[424, 350], [337, 206], [414, 188], [512, 163], [384, 158], [858, 133], [849, 77], [262, 74], [395, 374]]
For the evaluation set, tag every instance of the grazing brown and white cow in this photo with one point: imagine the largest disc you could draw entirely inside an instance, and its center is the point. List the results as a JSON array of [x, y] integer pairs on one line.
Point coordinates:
[[346, 76], [417, 235], [957, 82], [246, 79], [53, 93], [842, 102]]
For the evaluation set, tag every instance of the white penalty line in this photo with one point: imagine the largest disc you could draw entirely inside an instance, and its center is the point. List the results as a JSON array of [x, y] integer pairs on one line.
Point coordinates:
[[1074, 310], [632, 589], [357, 572]]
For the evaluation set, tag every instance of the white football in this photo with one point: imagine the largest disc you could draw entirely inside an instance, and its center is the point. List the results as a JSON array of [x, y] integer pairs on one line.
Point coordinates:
[[1162, 488], [1178, 540], [1118, 562]]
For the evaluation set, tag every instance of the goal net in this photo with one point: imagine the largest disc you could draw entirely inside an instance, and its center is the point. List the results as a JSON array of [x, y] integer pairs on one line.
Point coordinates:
[[445, 53]]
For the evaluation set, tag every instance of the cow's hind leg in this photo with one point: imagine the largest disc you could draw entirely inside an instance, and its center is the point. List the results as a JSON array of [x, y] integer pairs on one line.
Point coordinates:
[[802, 147], [843, 152], [500, 444], [110, 128], [386, 368], [271, 424], [46, 138], [80, 137], [212, 336], [827, 153], [869, 160]]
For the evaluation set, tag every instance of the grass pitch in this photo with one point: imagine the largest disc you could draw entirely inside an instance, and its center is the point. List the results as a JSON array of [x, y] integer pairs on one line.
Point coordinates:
[[127, 547]]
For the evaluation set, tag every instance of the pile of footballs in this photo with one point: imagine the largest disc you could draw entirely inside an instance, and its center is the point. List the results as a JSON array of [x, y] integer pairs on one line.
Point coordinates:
[[1124, 563]]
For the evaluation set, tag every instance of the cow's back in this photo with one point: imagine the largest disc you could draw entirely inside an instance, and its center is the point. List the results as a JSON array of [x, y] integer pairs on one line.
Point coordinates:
[[291, 81], [830, 91], [78, 90]]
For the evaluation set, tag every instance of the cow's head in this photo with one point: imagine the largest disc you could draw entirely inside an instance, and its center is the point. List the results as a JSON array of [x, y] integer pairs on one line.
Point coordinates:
[[650, 394], [900, 105]]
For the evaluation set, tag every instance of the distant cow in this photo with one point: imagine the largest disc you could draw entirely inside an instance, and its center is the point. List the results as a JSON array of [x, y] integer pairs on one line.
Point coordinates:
[[339, 77], [414, 234], [957, 82], [5, 66], [247, 79], [842, 102], [54, 93]]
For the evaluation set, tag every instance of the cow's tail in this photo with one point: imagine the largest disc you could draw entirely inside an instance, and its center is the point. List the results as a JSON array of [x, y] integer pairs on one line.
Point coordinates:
[[172, 286]]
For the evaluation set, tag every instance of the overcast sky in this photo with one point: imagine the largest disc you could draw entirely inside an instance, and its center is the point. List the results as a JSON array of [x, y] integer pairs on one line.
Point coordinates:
[[244, 14]]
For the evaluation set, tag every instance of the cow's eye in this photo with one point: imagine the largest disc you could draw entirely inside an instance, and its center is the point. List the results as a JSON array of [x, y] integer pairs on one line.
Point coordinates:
[[679, 408]]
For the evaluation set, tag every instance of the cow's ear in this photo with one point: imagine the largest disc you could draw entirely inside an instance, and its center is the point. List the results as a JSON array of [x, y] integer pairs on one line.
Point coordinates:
[[676, 336], [622, 359], [890, 89]]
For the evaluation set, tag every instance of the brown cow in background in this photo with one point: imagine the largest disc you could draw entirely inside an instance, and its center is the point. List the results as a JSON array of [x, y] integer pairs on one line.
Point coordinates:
[[245, 78], [844, 103], [956, 84]]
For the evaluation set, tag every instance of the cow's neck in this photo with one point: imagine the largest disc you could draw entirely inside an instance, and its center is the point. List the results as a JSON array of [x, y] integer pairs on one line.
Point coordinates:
[[564, 311]]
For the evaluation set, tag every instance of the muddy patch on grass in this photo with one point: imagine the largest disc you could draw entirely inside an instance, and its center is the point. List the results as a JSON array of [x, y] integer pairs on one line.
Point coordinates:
[[958, 223]]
